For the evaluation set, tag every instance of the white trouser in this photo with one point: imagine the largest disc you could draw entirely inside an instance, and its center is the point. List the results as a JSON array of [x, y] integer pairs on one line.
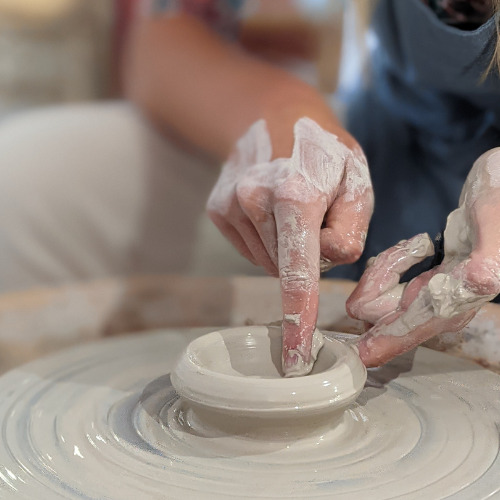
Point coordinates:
[[92, 191]]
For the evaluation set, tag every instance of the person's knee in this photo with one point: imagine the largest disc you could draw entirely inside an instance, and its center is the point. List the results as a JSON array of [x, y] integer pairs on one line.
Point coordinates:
[[65, 174]]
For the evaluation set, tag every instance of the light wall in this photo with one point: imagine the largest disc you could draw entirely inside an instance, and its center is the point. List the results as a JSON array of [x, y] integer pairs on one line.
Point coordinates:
[[54, 51]]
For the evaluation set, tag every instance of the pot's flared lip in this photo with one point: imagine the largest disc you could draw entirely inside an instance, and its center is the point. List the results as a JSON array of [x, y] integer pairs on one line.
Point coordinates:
[[239, 370]]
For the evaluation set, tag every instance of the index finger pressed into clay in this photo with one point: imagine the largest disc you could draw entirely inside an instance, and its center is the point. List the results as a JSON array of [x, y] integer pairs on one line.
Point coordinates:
[[298, 229]]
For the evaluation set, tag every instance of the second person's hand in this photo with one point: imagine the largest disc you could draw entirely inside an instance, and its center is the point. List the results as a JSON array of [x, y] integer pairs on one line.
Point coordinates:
[[445, 298]]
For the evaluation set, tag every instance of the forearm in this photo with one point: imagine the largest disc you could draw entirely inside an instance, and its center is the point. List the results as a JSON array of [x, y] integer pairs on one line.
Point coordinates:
[[209, 91]]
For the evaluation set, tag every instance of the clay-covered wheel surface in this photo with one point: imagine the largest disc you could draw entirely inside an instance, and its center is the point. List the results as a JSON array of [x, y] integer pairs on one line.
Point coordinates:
[[102, 421]]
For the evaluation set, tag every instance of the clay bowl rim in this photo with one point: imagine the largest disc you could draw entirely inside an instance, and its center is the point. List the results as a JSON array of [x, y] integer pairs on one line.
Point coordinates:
[[313, 393]]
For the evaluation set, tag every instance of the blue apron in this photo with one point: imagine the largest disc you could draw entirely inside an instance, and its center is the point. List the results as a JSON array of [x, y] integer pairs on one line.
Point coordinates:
[[423, 120]]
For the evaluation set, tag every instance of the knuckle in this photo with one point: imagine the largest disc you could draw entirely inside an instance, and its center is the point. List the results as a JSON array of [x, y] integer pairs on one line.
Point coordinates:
[[216, 205], [246, 195], [352, 251], [296, 279], [483, 276], [348, 251], [293, 188], [353, 307], [221, 204], [359, 308], [253, 201]]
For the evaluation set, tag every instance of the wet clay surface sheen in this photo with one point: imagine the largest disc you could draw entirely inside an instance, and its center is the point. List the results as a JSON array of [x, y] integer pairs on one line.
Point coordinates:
[[103, 421]]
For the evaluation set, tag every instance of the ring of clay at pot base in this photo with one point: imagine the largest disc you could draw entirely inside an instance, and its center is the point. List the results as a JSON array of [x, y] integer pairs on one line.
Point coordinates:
[[238, 371]]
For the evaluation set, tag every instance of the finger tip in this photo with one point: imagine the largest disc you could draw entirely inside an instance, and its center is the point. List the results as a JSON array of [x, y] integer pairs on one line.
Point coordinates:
[[349, 306], [368, 353], [295, 364], [364, 353], [294, 346]]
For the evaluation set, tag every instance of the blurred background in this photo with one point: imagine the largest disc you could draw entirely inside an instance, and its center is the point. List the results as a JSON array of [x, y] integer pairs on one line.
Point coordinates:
[[55, 51]]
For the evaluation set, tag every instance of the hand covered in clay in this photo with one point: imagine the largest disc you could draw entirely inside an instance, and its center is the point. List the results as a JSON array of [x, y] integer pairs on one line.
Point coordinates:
[[283, 214], [448, 296]]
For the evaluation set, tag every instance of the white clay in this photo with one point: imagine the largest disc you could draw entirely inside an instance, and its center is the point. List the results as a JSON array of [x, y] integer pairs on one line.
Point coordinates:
[[484, 173], [103, 421], [450, 296], [492, 161], [318, 156], [302, 367], [292, 318], [239, 371]]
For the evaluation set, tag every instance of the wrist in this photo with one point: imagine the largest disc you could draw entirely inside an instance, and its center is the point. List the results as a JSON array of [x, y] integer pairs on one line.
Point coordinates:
[[285, 104]]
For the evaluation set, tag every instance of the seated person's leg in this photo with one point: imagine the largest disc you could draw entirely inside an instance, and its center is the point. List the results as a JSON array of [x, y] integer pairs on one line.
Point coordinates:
[[91, 191]]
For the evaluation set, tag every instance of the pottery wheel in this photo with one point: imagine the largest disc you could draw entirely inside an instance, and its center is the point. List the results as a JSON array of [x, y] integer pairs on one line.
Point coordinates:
[[102, 421]]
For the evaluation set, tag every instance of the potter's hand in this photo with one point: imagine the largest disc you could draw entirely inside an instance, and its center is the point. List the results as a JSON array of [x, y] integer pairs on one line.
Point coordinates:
[[448, 296], [283, 214]]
